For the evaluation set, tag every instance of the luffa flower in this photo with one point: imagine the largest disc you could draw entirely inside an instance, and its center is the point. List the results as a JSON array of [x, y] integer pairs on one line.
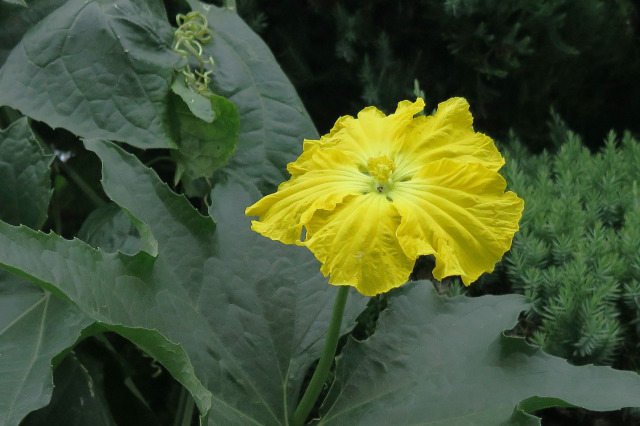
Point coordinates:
[[379, 191]]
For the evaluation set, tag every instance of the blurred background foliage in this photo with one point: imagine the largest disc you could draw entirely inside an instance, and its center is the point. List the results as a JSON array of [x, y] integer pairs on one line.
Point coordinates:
[[513, 60]]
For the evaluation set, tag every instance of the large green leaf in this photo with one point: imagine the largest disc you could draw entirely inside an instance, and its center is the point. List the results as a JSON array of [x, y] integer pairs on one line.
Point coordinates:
[[273, 120], [445, 362], [16, 19], [35, 327], [123, 292], [98, 68], [25, 185], [221, 306]]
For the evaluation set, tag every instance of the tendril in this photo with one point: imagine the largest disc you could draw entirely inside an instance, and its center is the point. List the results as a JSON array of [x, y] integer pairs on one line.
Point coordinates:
[[193, 31]]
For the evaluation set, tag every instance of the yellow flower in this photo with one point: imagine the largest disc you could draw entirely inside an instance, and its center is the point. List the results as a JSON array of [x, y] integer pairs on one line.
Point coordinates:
[[378, 191]]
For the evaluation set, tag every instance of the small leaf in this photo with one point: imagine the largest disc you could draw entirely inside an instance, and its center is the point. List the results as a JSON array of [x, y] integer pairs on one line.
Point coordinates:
[[199, 105], [203, 147], [110, 229], [25, 183], [98, 69]]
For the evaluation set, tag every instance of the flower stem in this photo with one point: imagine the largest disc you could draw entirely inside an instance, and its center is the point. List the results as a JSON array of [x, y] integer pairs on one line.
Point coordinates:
[[326, 359]]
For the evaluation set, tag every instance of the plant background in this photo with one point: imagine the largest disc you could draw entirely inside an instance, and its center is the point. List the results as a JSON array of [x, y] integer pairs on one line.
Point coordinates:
[[513, 60], [521, 64]]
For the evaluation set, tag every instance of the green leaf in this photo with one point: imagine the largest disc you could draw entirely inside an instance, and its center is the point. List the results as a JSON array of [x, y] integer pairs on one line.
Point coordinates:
[[35, 327], [203, 147], [78, 399], [16, 20], [25, 183], [441, 361], [199, 105], [8, 116], [98, 69], [107, 286], [273, 121], [246, 334], [110, 229]]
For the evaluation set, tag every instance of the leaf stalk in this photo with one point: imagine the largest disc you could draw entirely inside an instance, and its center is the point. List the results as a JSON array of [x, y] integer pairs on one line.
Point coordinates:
[[326, 360]]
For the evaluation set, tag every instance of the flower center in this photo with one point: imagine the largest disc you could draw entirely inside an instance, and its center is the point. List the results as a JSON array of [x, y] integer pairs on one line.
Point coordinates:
[[381, 168]]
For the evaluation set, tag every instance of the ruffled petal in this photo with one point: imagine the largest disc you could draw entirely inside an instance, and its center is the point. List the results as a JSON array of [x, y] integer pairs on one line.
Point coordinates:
[[371, 134], [311, 147], [357, 244], [460, 213], [283, 213], [446, 134]]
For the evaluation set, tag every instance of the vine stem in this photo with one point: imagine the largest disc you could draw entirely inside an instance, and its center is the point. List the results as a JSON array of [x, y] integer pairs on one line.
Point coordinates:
[[326, 359], [81, 184]]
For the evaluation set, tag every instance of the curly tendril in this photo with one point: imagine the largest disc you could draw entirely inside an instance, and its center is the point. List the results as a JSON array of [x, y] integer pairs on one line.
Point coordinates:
[[193, 31]]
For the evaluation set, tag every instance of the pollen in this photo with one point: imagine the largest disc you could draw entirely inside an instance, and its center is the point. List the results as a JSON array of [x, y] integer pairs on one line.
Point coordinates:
[[381, 168]]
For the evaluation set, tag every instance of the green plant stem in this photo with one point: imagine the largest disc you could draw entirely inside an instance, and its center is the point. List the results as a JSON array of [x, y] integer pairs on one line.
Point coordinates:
[[326, 359], [158, 159], [184, 413], [230, 4], [81, 184], [57, 217]]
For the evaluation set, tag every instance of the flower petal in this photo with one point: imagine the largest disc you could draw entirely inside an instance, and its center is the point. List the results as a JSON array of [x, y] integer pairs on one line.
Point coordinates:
[[446, 134], [460, 213], [283, 213], [357, 244], [370, 135]]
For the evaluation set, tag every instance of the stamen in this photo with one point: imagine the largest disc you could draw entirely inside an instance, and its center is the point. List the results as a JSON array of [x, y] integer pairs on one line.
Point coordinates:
[[381, 168]]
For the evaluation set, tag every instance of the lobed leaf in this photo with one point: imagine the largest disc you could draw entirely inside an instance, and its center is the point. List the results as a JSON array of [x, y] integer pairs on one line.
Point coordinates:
[[440, 361], [16, 20], [35, 326], [59, 72]]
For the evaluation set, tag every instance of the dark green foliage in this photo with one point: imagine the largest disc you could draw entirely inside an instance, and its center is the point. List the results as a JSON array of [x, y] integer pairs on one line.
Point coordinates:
[[510, 59], [577, 256]]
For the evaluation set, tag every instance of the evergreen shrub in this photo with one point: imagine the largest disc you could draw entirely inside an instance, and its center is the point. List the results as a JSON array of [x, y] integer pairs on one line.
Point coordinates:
[[577, 255]]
